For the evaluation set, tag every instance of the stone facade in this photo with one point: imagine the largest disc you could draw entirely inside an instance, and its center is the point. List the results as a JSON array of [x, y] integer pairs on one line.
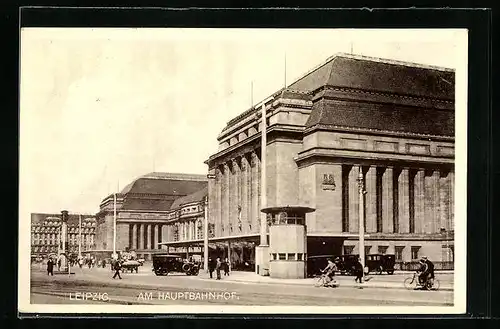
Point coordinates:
[[46, 233], [322, 131]]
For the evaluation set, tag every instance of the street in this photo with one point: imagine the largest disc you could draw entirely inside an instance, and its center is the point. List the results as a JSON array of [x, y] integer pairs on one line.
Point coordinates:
[[91, 286]]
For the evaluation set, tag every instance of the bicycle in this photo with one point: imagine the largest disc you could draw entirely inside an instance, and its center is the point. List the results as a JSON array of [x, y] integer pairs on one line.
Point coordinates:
[[323, 280], [412, 283]]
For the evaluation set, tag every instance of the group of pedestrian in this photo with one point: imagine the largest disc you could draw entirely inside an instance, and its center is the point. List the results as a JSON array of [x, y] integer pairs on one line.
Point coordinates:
[[218, 266]]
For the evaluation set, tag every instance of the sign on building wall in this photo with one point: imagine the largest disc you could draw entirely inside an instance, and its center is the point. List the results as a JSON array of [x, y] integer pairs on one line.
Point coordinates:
[[328, 182]]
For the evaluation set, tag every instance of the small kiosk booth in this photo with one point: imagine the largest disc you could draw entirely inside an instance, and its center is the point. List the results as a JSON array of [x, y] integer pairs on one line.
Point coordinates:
[[287, 241]]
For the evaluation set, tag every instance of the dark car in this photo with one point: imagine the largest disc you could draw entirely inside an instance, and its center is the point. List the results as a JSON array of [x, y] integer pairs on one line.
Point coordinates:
[[315, 264], [347, 264], [380, 263], [165, 263]]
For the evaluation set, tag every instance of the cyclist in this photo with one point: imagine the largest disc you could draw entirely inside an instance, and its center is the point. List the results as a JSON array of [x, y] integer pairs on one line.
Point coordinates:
[[423, 272], [330, 271], [430, 266]]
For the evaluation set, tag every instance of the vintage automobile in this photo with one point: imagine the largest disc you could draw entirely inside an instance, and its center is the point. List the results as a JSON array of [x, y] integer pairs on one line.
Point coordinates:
[[380, 263], [130, 265], [165, 263], [347, 264]]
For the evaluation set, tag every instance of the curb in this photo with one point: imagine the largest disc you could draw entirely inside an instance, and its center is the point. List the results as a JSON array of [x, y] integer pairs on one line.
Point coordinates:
[[309, 285]]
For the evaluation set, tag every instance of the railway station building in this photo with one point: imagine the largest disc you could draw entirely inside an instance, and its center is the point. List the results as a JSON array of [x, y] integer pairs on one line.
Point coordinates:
[[391, 121]]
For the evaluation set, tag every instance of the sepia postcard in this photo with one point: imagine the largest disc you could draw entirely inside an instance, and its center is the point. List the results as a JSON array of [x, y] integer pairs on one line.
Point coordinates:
[[259, 171]]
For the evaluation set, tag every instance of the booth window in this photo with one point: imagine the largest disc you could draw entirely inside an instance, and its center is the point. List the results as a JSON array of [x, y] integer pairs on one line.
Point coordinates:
[[291, 256], [299, 256], [282, 256]]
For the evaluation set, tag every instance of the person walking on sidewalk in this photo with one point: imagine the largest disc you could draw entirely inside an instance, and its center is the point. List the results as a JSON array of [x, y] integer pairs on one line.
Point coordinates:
[[227, 265], [218, 266], [117, 267], [50, 267], [211, 267], [359, 272]]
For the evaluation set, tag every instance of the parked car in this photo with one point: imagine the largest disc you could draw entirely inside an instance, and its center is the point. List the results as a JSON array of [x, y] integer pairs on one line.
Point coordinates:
[[347, 264], [380, 263], [165, 263], [141, 261]]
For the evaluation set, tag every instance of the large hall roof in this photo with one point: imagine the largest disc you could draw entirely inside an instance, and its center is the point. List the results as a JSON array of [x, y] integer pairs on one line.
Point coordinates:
[[380, 75]]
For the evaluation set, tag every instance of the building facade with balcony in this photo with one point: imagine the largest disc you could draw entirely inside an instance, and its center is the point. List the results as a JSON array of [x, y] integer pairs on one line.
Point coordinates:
[[46, 233], [391, 121]]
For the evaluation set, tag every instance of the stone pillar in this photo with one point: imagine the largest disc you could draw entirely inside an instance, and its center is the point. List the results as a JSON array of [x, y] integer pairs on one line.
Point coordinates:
[[255, 192], [229, 251], [431, 202], [236, 196], [371, 199], [218, 216], [451, 177], [444, 206], [353, 200], [156, 238], [149, 236], [226, 201], [419, 202], [134, 236], [404, 201], [387, 201], [231, 188], [141, 236], [244, 194]]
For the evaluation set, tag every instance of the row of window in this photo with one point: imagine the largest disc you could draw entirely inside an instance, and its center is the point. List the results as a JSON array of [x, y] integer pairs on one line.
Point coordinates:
[[288, 256], [398, 251]]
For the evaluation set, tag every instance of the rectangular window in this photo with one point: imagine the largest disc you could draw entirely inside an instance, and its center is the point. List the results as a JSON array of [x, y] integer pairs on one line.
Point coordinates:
[[382, 249], [282, 256], [398, 251], [414, 252], [291, 256], [348, 250], [367, 250], [299, 256]]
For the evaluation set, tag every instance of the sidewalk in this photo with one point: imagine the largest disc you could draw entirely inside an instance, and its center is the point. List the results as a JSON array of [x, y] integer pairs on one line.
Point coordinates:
[[375, 281]]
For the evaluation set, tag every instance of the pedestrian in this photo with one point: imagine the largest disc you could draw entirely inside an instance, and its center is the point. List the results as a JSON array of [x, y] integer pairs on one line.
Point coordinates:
[[59, 264], [218, 266], [117, 267], [103, 263], [226, 267], [211, 267], [50, 267], [359, 272], [80, 262]]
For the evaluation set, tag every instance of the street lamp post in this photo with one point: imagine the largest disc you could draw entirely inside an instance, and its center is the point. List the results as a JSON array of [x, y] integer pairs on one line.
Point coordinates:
[[361, 190], [205, 236]]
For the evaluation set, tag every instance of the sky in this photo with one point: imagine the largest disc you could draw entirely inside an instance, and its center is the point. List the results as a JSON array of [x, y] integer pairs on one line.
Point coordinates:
[[101, 107]]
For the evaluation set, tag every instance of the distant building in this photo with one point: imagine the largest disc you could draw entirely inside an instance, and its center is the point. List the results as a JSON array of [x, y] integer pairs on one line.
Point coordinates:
[[145, 207], [46, 229]]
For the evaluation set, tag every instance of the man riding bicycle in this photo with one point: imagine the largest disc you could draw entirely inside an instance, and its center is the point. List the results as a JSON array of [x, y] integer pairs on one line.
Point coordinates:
[[423, 272], [329, 270]]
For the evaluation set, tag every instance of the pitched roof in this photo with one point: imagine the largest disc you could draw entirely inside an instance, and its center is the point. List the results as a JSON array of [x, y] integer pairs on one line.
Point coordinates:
[[382, 117], [155, 183], [376, 74], [194, 197], [157, 191]]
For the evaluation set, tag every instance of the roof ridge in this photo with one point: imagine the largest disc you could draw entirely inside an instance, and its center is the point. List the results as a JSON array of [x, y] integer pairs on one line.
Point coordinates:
[[393, 62]]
